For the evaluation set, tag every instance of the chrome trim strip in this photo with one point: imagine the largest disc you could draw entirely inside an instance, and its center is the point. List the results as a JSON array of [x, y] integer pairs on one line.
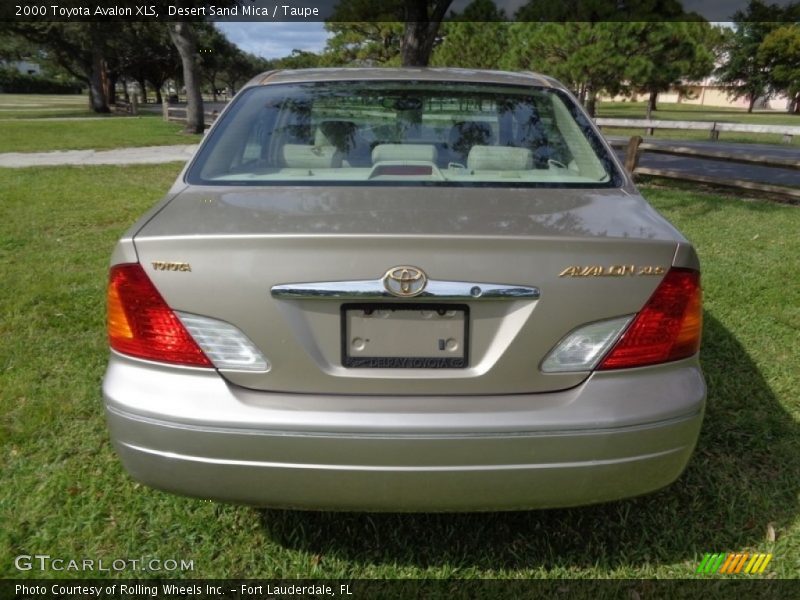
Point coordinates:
[[209, 460], [374, 290]]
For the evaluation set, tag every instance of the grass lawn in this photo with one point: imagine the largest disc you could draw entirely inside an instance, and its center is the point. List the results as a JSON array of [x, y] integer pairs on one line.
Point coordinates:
[[99, 134], [690, 112], [35, 106], [26, 126], [65, 494]]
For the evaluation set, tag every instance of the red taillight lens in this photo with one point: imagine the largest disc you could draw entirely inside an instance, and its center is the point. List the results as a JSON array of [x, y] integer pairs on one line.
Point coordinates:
[[667, 328], [141, 324]]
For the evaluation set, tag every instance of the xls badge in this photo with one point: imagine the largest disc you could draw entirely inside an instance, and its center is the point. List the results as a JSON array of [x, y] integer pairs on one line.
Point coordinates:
[[611, 270], [405, 281]]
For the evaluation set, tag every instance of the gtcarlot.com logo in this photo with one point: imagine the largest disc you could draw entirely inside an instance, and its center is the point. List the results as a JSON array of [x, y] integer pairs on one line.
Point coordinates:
[[45, 562], [734, 563]]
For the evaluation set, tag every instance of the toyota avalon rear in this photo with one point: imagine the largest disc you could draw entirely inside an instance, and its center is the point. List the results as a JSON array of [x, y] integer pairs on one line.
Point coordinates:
[[405, 290]]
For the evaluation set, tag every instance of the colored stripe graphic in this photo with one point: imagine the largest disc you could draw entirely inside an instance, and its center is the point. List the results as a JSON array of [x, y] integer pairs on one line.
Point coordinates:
[[702, 567], [710, 563], [729, 561], [734, 562], [765, 563]]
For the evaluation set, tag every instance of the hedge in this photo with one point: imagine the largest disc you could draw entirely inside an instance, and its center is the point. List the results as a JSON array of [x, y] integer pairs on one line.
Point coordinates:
[[14, 82]]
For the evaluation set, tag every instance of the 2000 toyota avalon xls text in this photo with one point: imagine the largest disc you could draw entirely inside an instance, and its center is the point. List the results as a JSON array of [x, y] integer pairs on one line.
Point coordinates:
[[410, 289]]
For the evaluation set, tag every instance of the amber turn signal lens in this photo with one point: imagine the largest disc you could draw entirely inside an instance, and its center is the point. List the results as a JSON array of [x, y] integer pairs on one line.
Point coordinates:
[[141, 324]]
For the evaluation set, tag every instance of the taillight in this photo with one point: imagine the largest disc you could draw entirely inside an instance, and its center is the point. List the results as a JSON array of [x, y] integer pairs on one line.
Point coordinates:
[[141, 324], [667, 328]]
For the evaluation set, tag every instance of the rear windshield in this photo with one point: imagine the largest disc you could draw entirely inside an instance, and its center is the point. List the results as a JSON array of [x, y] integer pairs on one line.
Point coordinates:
[[396, 132]]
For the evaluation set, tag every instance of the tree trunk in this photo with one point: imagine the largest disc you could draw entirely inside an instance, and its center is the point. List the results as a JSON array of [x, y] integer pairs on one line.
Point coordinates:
[[591, 101], [652, 104], [751, 102], [111, 87], [159, 98], [97, 97], [125, 90], [420, 30], [415, 47], [183, 37], [142, 88], [582, 94]]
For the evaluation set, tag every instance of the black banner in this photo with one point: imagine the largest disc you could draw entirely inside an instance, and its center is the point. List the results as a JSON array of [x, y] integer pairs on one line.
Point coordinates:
[[390, 10], [365, 589]]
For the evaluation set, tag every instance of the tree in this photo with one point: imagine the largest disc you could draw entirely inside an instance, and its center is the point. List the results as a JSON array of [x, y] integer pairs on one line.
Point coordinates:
[[299, 59], [422, 20], [183, 36], [241, 68], [667, 54], [597, 11], [147, 54], [14, 47], [476, 38], [80, 48], [363, 43], [216, 56], [365, 31], [747, 72], [780, 52], [587, 57], [611, 46]]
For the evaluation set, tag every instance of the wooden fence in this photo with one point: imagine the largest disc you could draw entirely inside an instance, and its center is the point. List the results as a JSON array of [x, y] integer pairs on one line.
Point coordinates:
[[127, 108], [714, 128], [636, 146], [178, 113]]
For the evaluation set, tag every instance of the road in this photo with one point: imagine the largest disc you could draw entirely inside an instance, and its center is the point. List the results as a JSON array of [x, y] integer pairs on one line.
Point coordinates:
[[723, 170]]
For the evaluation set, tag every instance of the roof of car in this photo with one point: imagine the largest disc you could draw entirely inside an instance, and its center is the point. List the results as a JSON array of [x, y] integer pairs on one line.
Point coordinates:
[[404, 73]]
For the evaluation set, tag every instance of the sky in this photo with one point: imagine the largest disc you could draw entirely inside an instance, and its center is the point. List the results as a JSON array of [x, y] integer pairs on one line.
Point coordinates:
[[275, 39]]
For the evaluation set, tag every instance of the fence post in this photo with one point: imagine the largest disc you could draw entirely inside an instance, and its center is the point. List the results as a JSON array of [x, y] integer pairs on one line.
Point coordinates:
[[632, 153], [714, 133]]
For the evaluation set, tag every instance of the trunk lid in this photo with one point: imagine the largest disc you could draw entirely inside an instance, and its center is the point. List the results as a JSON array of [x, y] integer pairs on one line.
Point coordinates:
[[575, 246]]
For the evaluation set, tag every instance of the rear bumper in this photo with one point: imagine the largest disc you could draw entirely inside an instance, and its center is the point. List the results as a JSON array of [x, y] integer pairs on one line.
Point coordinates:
[[616, 435]]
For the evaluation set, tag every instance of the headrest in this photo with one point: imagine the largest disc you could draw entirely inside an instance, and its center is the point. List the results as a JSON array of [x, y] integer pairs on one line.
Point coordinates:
[[404, 152], [499, 158], [311, 157]]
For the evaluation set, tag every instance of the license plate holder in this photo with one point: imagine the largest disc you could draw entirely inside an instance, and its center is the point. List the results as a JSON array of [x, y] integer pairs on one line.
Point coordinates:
[[405, 336]]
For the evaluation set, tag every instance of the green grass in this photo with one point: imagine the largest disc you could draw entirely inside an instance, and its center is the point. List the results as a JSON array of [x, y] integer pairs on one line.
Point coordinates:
[[37, 106], [689, 112], [702, 136], [65, 494], [99, 134], [26, 125]]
